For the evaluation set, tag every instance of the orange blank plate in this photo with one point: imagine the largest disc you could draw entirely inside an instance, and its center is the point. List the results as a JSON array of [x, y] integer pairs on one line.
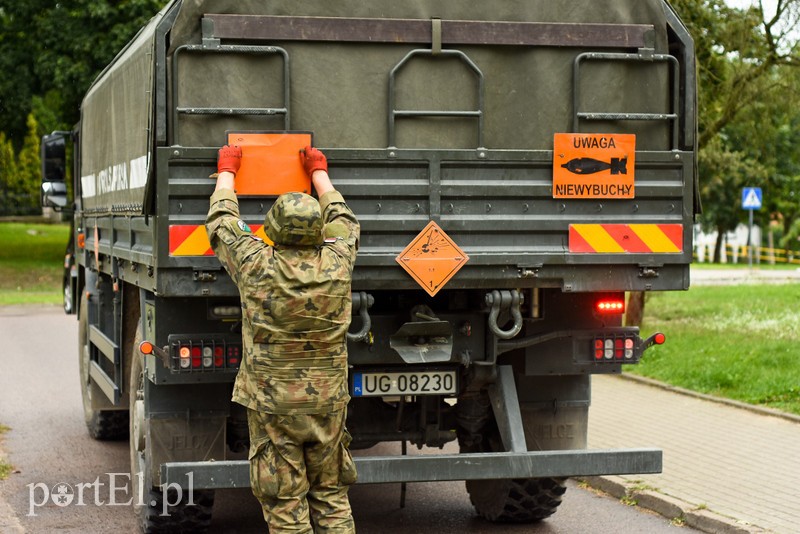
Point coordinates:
[[270, 163]]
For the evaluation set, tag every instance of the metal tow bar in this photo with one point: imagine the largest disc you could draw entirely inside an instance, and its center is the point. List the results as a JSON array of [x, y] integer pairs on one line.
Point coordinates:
[[505, 301]]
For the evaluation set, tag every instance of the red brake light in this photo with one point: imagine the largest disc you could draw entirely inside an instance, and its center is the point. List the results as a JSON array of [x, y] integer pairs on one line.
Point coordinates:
[[197, 356], [234, 354], [610, 306]]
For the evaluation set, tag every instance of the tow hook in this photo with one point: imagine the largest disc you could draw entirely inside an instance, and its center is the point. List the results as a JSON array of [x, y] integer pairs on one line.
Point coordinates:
[[362, 301], [505, 301]]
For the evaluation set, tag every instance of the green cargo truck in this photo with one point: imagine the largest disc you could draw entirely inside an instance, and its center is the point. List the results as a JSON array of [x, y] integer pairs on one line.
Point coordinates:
[[516, 166]]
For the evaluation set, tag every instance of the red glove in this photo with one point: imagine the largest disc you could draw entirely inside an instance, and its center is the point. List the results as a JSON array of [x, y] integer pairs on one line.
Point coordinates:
[[313, 160], [230, 157]]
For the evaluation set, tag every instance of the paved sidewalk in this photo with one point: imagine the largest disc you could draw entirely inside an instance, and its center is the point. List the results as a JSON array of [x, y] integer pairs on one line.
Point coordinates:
[[743, 275], [721, 458]]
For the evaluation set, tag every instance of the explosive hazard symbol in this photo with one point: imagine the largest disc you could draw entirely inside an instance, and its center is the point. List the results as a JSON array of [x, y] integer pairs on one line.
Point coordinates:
[[593, 165], [432, 258]]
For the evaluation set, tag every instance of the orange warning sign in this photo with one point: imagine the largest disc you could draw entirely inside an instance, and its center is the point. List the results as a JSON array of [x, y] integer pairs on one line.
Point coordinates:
[[432, 258], [593, 165], [271, 163]]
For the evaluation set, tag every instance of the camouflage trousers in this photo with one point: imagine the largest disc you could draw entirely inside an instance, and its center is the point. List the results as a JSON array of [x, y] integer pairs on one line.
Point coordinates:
[[300, 470]]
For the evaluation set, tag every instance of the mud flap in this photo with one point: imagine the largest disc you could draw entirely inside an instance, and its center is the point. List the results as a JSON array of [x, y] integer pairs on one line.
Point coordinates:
[[185, 440]]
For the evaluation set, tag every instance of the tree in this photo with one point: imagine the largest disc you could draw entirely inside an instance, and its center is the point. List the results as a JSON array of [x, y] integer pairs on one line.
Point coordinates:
[[746, 65], [29, 164], [770, 134], [8, 171], [54, 50], [23, 181], [737, 52], [725, 172]]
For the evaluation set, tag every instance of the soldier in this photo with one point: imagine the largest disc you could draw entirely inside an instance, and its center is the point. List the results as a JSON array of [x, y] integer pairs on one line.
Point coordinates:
[[296, 307]]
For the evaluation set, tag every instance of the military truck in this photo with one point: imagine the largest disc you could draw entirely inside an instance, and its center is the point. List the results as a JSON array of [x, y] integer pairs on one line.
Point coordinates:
[[516, 167]]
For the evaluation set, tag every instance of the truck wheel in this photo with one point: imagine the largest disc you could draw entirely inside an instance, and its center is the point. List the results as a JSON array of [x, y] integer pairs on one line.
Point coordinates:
[[517, 500], [102, 424], [68, 304], [523, 500], [149, 500]]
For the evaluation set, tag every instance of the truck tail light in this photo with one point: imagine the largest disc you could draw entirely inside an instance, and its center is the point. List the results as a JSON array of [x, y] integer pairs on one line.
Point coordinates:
[[234, 355], [185, 354], [610, 306], [614, 349], [197, 357], [622, 347], [204, 355]]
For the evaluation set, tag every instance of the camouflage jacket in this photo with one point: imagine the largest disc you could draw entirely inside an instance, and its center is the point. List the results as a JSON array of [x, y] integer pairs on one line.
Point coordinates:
[[296, 307]]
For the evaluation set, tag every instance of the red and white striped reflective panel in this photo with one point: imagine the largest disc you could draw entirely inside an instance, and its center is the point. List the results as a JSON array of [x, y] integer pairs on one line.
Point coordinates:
[[626, 238], [192, 239]]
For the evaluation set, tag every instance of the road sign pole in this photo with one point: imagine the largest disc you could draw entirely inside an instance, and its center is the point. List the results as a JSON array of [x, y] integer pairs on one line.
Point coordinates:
[[750, 241], [751, 201]]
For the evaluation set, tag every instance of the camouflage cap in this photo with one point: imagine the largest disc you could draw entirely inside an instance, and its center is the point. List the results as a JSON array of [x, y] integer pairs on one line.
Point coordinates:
[[294, 219]]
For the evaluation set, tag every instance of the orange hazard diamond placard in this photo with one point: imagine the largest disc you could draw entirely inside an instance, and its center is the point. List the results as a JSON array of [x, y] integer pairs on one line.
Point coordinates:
[[593, 165], [432, 258]]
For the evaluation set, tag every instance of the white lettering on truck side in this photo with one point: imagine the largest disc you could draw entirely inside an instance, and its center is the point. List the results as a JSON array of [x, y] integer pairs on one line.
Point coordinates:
[[118, 177]]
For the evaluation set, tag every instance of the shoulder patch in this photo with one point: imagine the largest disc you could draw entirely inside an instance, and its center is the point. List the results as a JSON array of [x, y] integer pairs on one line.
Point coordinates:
[[332, 239], [336, 230], [243, 226]]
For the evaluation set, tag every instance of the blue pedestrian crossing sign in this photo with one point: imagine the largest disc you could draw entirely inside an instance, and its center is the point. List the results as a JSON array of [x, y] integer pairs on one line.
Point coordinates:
[[751, 198]]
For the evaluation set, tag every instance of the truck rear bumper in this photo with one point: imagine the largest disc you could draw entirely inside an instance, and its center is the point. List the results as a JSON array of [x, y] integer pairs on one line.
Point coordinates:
[[440, 467]]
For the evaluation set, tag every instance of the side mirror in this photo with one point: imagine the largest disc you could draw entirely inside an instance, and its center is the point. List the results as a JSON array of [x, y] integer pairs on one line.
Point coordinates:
[[54, 195], [54, 165]]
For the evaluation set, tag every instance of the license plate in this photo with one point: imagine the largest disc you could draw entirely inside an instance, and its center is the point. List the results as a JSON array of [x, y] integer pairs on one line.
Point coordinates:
[[379, 384]]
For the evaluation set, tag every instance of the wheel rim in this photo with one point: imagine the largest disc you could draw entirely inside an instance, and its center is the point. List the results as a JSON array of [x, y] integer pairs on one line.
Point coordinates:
[[139, 478], [67, 299], [86, 385]]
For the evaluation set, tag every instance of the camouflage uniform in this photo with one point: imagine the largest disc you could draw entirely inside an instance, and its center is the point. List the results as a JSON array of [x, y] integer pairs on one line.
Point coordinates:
[[293, 378]]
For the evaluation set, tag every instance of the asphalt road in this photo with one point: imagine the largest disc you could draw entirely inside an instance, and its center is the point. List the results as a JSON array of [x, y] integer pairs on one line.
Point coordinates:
[[48, 445]]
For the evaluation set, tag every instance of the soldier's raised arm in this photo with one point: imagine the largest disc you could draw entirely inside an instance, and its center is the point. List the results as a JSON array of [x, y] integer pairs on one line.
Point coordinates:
[[339, 220], [230, 238]]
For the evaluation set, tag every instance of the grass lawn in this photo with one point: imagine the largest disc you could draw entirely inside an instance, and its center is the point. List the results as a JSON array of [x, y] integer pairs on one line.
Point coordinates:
[[5, 467], [738, 342], [32, 262]]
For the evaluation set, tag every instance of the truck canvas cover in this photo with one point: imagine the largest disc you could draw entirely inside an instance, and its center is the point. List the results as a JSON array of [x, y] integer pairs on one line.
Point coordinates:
[[343, 86], [428, 111]]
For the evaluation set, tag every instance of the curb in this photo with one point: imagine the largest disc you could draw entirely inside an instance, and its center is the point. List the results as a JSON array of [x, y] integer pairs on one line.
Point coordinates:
[[8, 520], [670, 507], [9, 523]]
